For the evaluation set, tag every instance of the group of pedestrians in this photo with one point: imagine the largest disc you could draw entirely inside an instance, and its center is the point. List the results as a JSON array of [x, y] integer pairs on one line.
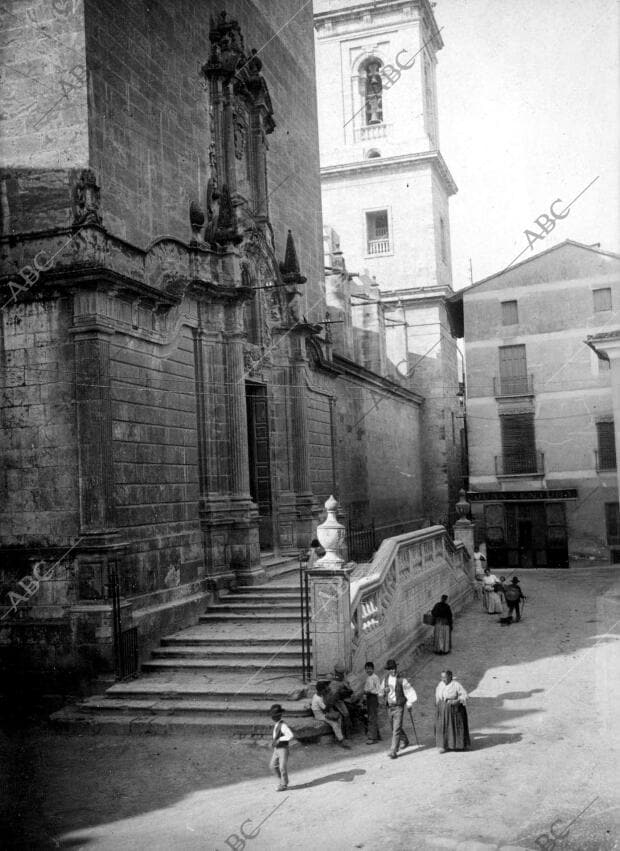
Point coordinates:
[[498, 597], [336, 703]]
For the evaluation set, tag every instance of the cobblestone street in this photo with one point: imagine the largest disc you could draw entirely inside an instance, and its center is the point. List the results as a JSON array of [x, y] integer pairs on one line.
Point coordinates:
[[543, 707]]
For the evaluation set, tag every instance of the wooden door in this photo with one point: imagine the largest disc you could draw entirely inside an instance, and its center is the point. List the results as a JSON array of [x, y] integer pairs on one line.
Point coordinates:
[[259, 459]]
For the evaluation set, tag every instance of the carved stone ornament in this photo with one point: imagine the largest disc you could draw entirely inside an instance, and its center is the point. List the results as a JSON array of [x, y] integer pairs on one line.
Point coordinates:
[[240, 131], [86, 200]]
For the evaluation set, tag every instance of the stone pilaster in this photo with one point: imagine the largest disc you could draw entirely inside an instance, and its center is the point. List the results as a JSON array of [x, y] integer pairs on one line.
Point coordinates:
[[99, 544], [304, 498], [244, 545], [330, 624]]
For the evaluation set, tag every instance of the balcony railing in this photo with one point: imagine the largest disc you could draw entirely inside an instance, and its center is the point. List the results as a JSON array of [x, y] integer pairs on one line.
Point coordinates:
[[371, 131], [521, 464], [605, 459], [378, 246], [519, 385]]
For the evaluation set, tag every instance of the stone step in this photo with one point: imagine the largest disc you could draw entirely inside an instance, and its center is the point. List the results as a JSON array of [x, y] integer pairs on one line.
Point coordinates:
[[230, 604], [275, 600], [256, 710], [271, 588], [242, 618], [231, 654], [236, 644], [233, 665], [175, 685], [71, 719]]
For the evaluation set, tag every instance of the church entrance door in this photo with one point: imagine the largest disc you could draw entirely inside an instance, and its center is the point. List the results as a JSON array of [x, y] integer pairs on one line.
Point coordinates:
[[259, 458]]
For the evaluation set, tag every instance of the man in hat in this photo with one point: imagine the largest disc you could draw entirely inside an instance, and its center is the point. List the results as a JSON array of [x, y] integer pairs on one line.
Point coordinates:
[[398, 694], [514, 595], [341, 698], [281, 736]]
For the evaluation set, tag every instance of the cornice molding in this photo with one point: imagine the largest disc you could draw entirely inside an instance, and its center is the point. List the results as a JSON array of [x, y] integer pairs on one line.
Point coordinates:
[[397, 163]]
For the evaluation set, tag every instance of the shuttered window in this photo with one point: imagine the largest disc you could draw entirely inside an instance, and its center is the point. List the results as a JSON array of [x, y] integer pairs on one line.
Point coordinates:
[[513, 376], [510, 314], [602, 299], [606, 446], [518, 444]]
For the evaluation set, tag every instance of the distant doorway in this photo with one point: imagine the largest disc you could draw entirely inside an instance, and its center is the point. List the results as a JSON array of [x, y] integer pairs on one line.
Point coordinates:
[[526, 553], [259, 459]]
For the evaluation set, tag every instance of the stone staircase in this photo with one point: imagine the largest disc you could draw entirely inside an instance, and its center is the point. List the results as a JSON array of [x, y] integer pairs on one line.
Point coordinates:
[[219, 676]]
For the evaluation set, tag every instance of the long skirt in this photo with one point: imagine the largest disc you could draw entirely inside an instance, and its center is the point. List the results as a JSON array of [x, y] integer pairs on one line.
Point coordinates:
[[442, 636], [451, 726], [493, 602]]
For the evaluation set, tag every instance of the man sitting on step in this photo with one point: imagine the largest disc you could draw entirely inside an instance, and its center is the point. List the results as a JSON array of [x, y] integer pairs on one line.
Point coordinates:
[[341, 698], [330, 716]]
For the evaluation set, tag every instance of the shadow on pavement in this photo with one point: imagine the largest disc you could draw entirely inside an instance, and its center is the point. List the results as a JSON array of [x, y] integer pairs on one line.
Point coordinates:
[[481, 741], [337, 777]]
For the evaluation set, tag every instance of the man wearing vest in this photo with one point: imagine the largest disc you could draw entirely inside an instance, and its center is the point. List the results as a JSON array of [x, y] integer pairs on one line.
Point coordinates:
[[398, 694]]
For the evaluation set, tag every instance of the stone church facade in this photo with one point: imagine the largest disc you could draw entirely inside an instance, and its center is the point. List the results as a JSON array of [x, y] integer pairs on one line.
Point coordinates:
[[172, 406]]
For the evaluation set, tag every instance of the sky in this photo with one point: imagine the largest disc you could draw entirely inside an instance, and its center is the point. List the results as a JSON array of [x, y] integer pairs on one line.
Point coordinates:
[[529, 99]]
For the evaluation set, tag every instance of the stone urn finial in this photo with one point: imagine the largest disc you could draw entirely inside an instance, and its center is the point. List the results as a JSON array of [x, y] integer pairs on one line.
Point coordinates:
[[331, 537], [462, 506]]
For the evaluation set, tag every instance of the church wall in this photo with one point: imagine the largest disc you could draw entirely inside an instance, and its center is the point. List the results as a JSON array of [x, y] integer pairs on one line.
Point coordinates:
[[39, 462], [155, 448], [149, 120]]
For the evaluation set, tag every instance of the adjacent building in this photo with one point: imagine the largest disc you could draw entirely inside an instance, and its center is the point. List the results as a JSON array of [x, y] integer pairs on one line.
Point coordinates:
[[541, 420]]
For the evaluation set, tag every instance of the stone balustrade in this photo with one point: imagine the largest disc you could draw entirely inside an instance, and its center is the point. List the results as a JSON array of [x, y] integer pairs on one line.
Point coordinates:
[[389, 596]]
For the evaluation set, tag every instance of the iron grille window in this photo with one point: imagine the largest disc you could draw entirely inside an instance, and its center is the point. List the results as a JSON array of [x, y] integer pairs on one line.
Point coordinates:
[[510, 314], [518, 444], [612, 522], [602, 299], [606, 446]]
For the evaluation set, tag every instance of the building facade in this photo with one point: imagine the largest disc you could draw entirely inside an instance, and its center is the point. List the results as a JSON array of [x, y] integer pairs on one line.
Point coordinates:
[[385, 190], [172, 409], [540, 412]]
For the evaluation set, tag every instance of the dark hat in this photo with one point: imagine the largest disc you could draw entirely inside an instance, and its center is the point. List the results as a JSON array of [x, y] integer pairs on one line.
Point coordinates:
[[276, 711], [391, 663], [515, 579]]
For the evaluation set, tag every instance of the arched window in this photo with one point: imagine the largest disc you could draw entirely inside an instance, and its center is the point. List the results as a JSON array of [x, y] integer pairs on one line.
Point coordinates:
[[373, 92], [372, 153]]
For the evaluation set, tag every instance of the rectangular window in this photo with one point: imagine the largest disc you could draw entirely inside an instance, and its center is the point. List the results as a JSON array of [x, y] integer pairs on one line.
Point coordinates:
[[518, 444], [513, 377], [602, 299], [612, 522], [377, 232], [510, 314], [606, 454]]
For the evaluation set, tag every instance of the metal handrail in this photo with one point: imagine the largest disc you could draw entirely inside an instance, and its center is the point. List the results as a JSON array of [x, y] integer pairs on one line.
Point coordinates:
[[304, 609]]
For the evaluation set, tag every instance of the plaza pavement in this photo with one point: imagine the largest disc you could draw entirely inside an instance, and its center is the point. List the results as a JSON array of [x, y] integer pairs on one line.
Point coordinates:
[[542, 771]]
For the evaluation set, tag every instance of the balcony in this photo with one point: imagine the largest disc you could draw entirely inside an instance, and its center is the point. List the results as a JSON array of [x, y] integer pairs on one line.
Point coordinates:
[[378, 246], [518, 385], [522, 464], [605, 460], [371, 131]]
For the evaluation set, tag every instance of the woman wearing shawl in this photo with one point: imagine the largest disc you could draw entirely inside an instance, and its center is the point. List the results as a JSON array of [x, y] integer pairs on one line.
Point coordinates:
[[492, 599], [442, 636], [451, 726]]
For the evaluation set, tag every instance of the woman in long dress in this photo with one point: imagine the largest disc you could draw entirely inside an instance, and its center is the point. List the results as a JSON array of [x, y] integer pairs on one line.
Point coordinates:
[[442, 635], [451, 724], [492, 600]]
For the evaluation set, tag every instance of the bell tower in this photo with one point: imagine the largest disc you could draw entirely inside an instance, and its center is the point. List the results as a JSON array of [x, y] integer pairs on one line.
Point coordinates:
[[385, 189]]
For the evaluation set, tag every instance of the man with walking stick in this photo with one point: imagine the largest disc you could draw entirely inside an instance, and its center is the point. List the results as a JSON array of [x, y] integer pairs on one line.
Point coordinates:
[[398, 694]]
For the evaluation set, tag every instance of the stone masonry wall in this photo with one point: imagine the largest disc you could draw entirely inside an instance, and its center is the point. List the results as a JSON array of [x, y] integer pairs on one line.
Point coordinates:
[[156, 472], [149, 121]]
